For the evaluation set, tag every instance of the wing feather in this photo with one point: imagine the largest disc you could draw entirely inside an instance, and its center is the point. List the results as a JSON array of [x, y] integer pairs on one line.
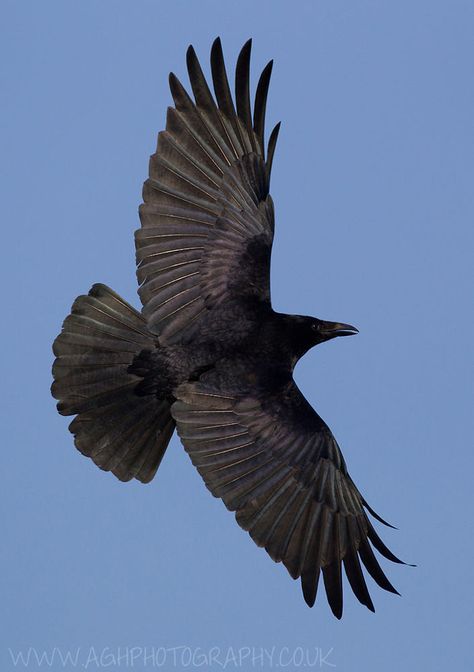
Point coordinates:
[[261, 105], [242, 92]]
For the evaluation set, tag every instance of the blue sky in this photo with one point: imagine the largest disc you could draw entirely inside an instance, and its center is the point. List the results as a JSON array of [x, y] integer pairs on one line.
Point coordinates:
[[372, 183]]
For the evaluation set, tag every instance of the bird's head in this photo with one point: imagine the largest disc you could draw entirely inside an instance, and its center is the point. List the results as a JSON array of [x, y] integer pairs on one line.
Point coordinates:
[[310, 331]]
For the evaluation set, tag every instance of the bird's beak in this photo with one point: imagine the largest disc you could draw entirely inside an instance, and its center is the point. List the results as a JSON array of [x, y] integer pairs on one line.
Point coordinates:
[[333, 329]]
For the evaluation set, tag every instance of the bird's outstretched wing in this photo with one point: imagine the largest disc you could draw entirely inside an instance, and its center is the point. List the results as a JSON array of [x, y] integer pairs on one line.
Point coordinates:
[[277, 464], [207, 217]]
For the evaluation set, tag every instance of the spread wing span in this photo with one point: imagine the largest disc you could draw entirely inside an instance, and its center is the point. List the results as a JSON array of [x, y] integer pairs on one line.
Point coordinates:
[[278, 466], [207, 211]]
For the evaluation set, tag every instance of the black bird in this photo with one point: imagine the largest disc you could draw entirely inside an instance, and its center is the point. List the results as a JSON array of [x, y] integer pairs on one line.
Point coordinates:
[[208, 354]]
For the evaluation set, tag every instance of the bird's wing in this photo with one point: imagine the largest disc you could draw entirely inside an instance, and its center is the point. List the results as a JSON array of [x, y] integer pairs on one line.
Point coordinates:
[[277, 464], [207, 217]]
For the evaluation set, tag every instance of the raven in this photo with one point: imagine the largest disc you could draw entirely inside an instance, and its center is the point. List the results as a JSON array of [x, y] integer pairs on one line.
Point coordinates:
[[209, 356]]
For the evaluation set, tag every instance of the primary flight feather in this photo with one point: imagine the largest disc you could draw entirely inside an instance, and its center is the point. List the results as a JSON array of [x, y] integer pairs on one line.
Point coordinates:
[[209, 356]]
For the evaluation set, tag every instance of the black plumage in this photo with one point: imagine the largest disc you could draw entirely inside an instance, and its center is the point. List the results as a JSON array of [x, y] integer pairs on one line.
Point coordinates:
[[208, 354]]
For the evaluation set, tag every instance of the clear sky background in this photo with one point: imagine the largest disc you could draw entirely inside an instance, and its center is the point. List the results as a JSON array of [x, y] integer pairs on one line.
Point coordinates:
[[373, 186]]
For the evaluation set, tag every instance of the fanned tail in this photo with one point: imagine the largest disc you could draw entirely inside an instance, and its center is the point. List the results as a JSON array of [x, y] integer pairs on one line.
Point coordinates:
[[120, 431]]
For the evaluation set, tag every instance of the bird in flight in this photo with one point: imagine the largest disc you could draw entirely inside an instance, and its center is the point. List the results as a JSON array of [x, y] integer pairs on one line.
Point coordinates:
[[209, 356]]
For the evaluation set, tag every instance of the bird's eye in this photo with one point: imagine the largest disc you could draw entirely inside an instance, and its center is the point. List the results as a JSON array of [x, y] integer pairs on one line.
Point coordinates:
[[314, 326]]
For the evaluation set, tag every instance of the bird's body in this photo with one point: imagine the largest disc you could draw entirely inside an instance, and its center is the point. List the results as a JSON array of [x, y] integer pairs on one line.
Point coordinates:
[[251, 346], [209, 355]]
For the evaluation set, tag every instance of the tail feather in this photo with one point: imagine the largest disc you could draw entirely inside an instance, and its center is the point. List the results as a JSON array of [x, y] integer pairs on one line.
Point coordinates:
[[120, 431]]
